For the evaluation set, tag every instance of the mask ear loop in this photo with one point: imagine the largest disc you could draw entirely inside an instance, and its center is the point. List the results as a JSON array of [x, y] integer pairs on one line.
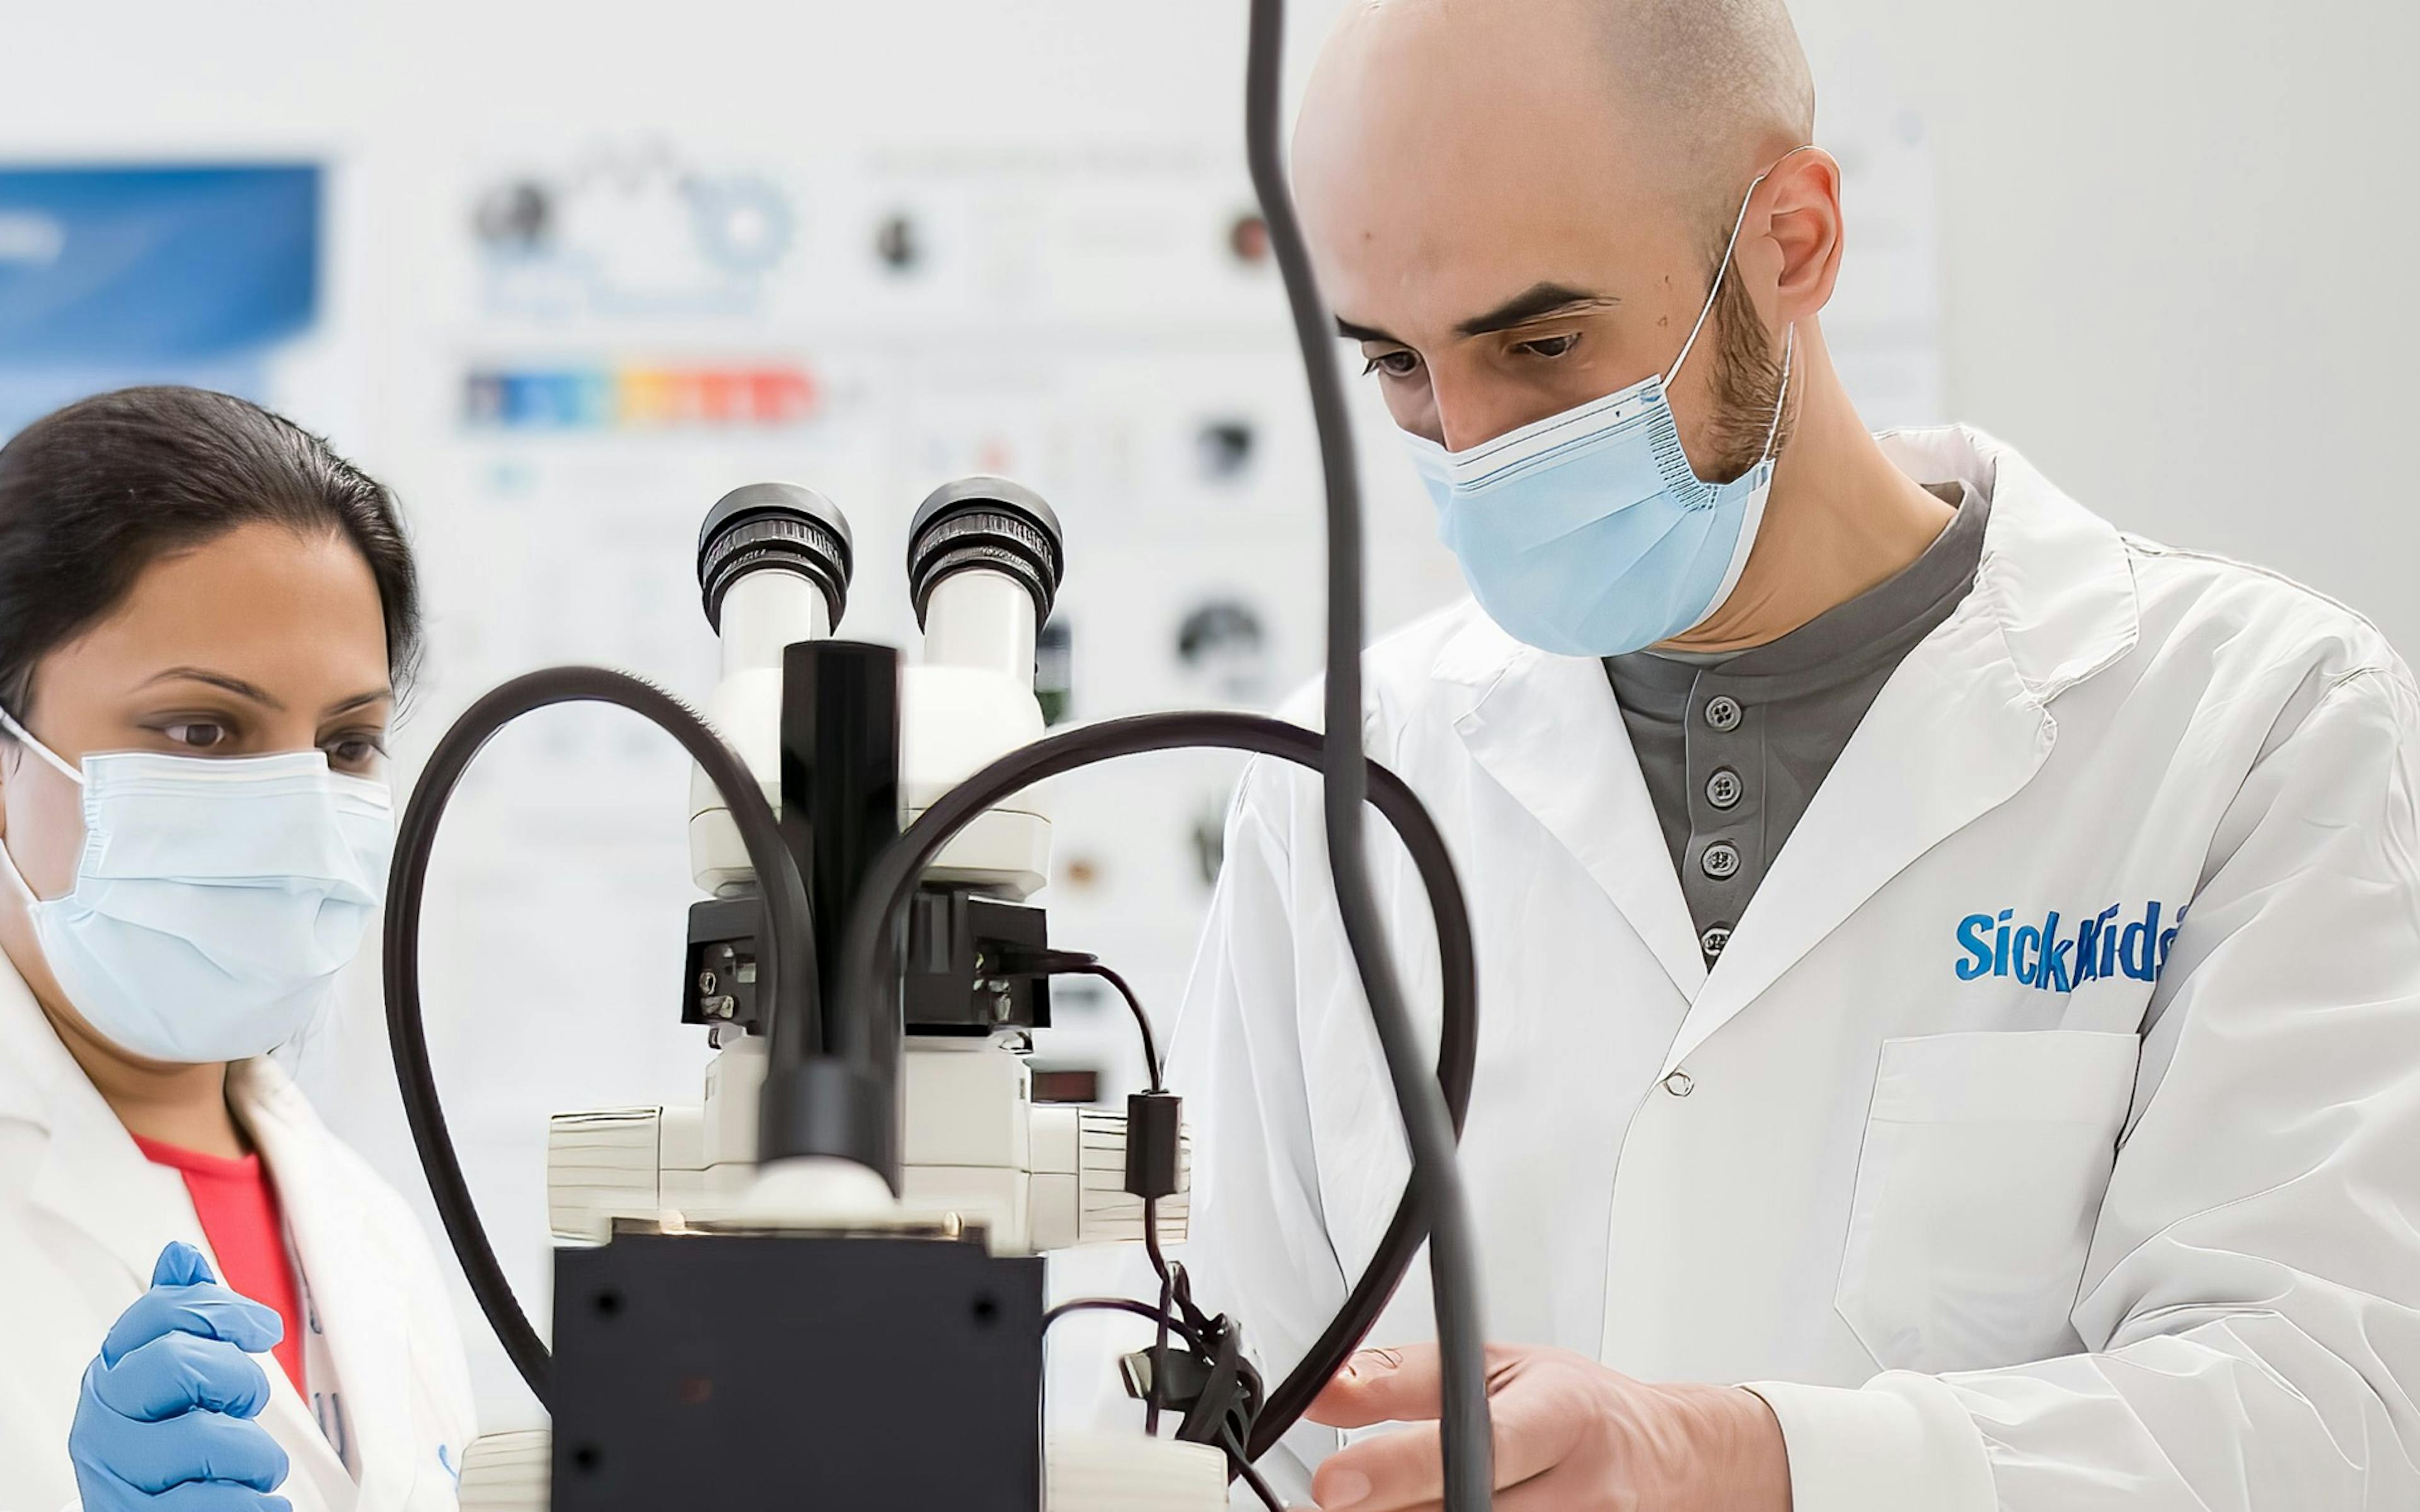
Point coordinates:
[[8, 722], [15, 879], [1789, 349], [1723, 269]]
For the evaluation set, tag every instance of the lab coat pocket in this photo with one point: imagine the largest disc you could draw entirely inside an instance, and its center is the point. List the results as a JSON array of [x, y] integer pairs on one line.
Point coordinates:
[[1985, 1160]]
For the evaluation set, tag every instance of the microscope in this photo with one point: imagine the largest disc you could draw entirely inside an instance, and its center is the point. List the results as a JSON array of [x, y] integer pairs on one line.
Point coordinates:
[[723, 1327], [991, 1175]]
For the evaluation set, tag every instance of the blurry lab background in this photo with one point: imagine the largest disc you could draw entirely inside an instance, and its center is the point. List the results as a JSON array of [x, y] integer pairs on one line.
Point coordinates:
[[563, 275]]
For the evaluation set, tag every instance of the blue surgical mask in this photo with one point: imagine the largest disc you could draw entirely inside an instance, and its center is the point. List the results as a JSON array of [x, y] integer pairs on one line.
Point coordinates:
[[1589, 533], [216, 899]]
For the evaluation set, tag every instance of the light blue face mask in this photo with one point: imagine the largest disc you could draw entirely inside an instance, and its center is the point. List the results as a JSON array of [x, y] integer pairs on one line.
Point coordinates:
[[1589, 533], [216, 899]]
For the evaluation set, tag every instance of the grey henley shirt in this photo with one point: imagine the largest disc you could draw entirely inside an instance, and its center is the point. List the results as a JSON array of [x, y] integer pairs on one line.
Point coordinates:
[[1733, 746]]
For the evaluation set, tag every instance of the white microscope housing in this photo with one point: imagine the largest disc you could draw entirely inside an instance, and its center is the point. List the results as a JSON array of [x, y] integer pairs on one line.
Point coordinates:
[[983, 563]]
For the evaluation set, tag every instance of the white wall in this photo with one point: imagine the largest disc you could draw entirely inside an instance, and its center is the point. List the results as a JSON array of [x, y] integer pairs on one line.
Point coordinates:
[[2174, 239]]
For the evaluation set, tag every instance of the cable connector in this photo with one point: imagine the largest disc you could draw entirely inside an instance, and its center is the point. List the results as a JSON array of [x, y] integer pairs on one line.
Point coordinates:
[[1029, 961], [1025, 960], [1155, 1132]]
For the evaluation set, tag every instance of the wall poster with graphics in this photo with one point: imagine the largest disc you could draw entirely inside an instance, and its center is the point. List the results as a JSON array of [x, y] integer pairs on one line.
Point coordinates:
[[118, 274]]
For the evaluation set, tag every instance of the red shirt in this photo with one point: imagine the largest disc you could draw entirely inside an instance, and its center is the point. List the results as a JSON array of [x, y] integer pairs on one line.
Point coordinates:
[[237, 1206]]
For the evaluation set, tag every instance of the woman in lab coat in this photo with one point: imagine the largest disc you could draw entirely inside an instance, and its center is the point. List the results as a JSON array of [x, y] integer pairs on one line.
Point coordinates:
[[204, 614]]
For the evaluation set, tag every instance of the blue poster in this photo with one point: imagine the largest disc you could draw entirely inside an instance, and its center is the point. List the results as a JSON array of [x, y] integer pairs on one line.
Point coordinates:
[[125, 274]]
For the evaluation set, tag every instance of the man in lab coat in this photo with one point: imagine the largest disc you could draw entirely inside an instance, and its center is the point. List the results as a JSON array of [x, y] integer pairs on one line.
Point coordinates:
[[1949, 1028]]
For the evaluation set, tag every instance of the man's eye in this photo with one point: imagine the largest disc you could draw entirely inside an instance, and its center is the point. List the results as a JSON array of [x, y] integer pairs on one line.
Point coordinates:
[[196, 735], [1394, 364], [1550, 346]]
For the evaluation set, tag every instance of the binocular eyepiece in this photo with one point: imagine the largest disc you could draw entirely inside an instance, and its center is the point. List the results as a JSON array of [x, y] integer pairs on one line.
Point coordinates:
[[972, 525]]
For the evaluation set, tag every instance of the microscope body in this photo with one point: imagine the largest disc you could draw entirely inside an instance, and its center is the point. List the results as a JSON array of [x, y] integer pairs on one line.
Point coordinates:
[[934, 1296]]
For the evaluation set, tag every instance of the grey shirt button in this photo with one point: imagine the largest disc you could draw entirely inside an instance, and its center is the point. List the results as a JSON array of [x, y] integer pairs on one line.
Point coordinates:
[[1723, 711], [1721, 861], [1713, 941], [1724, 788]]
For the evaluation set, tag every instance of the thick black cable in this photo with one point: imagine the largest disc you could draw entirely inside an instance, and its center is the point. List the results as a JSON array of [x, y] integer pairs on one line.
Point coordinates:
[[787, 945], [1454, 1251], [866, 966]]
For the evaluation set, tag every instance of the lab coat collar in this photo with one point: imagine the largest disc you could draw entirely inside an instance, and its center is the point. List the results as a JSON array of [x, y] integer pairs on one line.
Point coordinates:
[[2054, 575], [1959, 728], [356, 1288], [1549, 729]]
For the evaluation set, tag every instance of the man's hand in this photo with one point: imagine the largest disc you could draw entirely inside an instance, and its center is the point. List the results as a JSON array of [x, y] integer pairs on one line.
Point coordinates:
[[1571, 1436]]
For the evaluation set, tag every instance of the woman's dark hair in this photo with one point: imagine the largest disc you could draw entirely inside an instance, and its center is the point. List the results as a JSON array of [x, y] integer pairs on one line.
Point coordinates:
[[92, 494]]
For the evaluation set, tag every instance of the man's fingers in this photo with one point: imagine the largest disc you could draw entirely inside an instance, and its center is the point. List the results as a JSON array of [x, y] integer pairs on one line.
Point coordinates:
[[1400, 1385], [1390, 1473], [1380, 1387], [178, 1372], [1534, 1430], [204, 1308]]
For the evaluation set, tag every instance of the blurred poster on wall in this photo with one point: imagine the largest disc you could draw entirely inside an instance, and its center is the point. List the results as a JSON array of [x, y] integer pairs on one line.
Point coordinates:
[[129, 274]]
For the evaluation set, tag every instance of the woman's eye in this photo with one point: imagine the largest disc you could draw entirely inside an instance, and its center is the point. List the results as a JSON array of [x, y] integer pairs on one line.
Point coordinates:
[[197, 735], [1550, 346], [1395, 365], [353, 751]]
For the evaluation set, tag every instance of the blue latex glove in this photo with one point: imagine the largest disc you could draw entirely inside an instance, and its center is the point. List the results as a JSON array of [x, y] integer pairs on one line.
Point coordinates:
[[166, 1423]]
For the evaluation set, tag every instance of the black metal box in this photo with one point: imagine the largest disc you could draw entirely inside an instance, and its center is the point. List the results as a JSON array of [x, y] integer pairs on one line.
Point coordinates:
[[738, 1372]]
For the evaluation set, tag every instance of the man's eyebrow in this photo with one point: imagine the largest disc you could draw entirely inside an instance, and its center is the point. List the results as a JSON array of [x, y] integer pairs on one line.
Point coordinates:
[[1350, 331], [1535, 303], [203, 674]]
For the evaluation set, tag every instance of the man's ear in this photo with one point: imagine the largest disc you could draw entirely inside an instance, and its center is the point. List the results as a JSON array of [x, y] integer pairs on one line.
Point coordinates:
[[1802, 233]]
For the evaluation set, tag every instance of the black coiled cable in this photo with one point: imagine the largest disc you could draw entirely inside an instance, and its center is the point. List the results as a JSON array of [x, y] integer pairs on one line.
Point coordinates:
[[786, 944]]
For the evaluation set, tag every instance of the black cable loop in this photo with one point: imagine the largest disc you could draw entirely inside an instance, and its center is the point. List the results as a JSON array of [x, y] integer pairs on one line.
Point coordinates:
[[869, 1009], [787, 944]]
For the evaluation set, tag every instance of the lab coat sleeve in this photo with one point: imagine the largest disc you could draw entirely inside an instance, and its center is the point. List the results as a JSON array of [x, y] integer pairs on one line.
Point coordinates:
[[2252, 1299], [1259, 1246]]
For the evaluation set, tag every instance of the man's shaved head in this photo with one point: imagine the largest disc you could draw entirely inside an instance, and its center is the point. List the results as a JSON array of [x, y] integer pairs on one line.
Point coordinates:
[[1519, 204], [1704, 88], [1713, 82]]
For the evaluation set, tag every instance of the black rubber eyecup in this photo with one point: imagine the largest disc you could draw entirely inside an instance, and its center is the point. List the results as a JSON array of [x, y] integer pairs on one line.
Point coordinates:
[[985, 525], [778, 527]]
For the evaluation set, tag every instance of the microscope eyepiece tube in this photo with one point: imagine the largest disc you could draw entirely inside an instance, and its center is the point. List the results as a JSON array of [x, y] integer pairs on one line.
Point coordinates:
[[773, 561], [975, 547], [981, 619], [764, 611]]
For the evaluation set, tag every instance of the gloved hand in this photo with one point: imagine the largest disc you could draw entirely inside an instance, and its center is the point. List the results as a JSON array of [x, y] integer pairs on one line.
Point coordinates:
[[166, 1423]]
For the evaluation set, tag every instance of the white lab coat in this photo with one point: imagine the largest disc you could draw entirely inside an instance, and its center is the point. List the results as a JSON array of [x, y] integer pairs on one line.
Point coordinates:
[[83, 1217], [2102, 1242]]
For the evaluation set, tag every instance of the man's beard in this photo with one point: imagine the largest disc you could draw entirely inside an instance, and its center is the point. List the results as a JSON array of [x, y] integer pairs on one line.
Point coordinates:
[[1747, 385]]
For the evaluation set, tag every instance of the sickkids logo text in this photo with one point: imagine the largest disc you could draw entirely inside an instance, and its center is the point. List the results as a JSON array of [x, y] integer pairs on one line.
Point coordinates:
[[2058, 956]]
